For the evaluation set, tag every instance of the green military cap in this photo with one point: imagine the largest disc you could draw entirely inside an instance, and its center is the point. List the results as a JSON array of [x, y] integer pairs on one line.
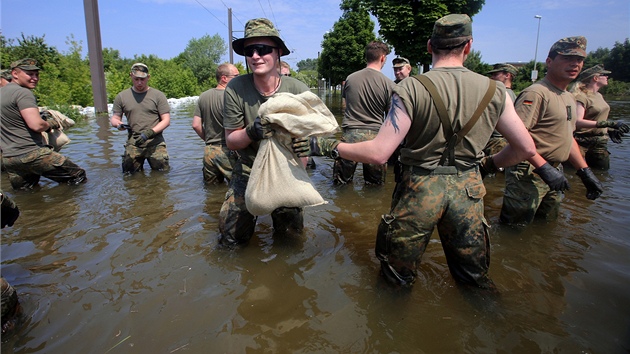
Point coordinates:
[[139, 70], [451, 31], [256, 28], [6, 74], [503, 67], [25, 64], [400, 61], [570, 46], [588, 74]]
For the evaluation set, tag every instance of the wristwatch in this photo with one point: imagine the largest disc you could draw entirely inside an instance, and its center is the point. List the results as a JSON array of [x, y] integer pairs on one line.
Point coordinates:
[[334, 153]]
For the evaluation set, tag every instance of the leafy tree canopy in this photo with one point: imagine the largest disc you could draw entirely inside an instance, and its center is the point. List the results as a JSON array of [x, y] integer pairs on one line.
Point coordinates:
[[343, 48], [408, 24]]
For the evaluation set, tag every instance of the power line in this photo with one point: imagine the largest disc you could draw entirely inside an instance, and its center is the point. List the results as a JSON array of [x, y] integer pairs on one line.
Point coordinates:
[[261, 7], [200, 4]]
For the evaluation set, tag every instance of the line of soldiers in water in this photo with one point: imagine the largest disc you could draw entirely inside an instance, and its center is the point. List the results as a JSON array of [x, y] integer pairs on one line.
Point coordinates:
[[445, 131]]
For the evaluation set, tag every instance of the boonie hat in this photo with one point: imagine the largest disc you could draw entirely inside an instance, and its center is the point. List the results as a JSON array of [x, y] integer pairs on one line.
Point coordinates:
[[451, 31], [400, 61], [587, 74], [570, 46], [259, 27], [25, 64], [6, 74], [503, 67], [139, 70]]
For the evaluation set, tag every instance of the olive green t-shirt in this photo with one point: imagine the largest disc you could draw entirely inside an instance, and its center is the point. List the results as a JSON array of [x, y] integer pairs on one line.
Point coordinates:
[[461, 90], [210, 109], [17, 138], [595, 109], [242, 101], [549, 114], [143, 110], [368, 95]]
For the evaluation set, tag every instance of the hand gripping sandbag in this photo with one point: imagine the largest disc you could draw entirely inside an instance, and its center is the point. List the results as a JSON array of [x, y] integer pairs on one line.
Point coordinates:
[[278, 177]]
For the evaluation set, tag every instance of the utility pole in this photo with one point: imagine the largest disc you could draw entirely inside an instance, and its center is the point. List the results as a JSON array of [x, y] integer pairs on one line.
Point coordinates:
[[230, 35], [95, 54]]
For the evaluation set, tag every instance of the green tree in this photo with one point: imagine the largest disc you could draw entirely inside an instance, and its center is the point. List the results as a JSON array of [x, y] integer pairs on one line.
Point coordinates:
[[309, 77], [307, 64], [29, 47], [617, 61], [473, 62], [343, 49], [202, 57], [408, 24]]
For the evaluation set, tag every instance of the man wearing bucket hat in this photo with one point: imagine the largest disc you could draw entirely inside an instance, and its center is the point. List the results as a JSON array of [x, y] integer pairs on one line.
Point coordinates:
[[262, 48], [148, 115], [535, 188], [505, 73], [25, 157], [402, 68], [593, 126], [440, 184]]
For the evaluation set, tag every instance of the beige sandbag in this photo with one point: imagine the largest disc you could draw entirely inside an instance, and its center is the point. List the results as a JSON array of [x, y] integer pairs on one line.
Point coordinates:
[[278, 177], [56, 137]]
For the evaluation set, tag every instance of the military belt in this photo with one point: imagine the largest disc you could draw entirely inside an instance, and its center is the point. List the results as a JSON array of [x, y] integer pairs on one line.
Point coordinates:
[[440, 170]]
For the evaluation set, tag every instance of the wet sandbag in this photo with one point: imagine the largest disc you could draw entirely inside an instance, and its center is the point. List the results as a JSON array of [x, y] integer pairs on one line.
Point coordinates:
[[278, 177]]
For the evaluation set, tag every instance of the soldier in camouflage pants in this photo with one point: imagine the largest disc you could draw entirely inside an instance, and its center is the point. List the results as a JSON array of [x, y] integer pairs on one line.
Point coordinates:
[[449, 199], [25, 170], [343, 170], [134, 157], [217, 163]]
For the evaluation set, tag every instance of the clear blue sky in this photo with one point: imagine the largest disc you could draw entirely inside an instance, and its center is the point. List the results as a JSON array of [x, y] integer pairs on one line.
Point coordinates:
[[504, 30]]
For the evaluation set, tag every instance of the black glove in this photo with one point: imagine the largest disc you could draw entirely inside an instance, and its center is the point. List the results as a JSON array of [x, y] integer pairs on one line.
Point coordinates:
[[593, 187], [52, 122], [147, 134], [615, 136], [314, 146], [9, 210], [487, 166], [123, 126], [553, 177], [623, 127], [257, 131]]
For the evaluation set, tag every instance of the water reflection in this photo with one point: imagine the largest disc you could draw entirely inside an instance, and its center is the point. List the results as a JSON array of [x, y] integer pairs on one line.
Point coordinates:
[[131, 264]]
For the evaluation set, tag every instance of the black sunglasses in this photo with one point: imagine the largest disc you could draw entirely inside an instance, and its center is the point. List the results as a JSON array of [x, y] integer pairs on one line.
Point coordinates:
[[261, 49]]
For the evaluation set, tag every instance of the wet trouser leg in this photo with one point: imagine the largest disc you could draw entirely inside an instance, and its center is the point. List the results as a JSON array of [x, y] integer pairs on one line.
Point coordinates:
[[527, 196], [422, 201], [236, 224], [218, 163], [157, 156], [25, 170]]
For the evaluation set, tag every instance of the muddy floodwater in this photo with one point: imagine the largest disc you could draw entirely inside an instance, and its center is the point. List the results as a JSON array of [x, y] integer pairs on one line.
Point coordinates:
[[131, 265]]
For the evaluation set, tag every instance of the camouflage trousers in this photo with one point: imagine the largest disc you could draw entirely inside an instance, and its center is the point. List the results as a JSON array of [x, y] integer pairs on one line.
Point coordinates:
[[26, 170], [594, 149], [343, 170], [133, 159], [527, 196], [494, 145], [237, 224], [445, 198], [218, 162]]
